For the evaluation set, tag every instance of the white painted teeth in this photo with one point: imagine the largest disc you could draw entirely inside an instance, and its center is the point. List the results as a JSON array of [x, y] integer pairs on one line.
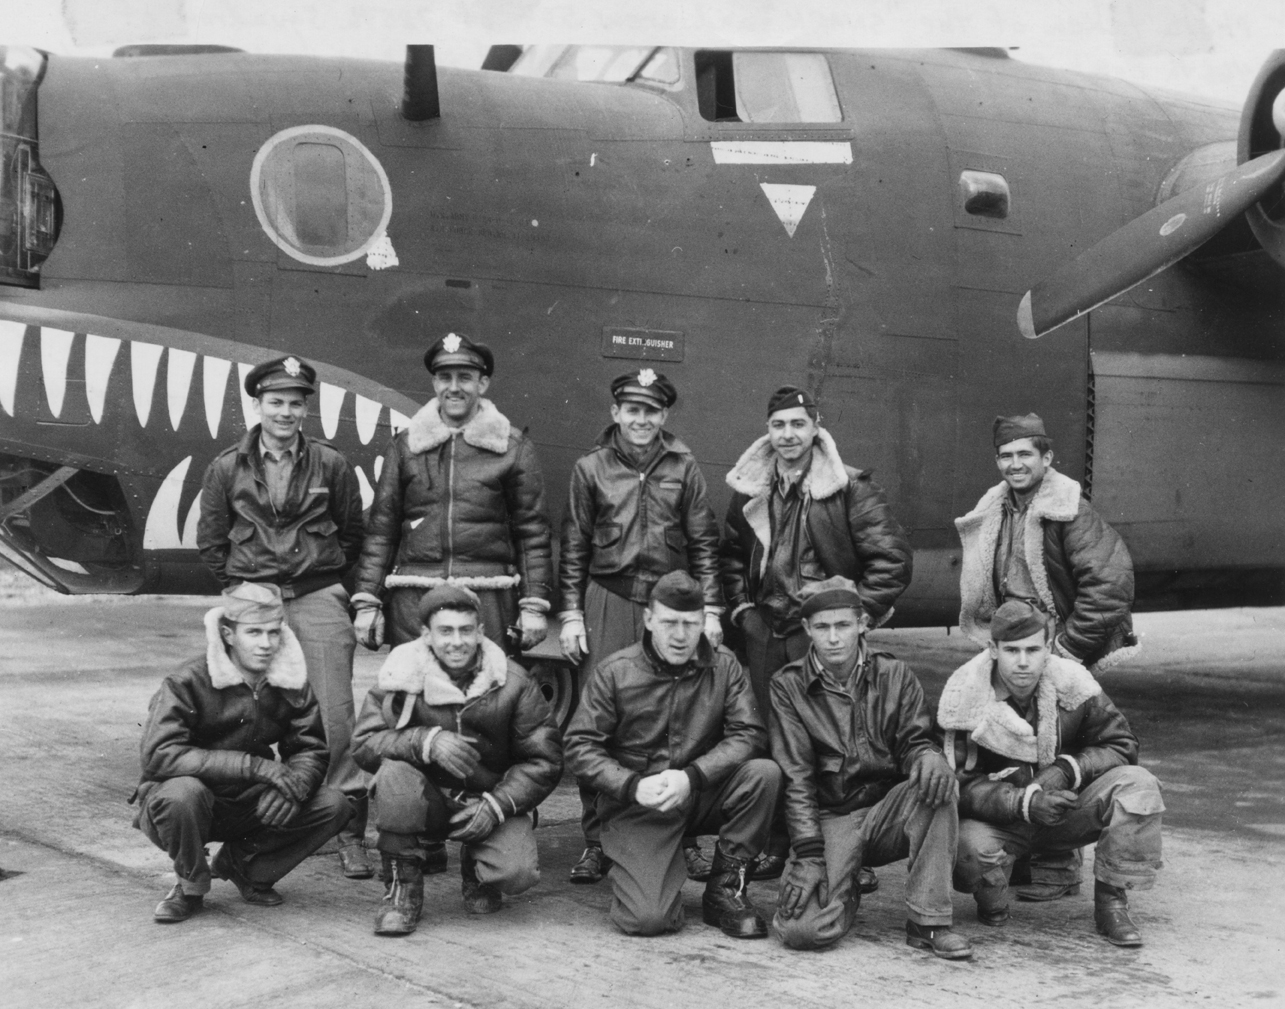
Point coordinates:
[[161, 531], [367, 491], [101, 353], [55, 350]]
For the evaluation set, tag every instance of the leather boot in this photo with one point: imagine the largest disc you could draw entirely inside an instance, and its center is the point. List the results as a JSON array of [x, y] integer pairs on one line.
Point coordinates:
[[726, 902], [992, 904], [177, 906], [592, 866], [479, 898], [698, 866], [405, 897], [354, 863], [768, 866], [867, 881], [227, 866], [940, 939], [1111, 915]]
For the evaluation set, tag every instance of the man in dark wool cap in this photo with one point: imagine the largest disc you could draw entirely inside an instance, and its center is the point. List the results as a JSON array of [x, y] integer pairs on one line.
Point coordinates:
[[1046, 763], [669, 737]]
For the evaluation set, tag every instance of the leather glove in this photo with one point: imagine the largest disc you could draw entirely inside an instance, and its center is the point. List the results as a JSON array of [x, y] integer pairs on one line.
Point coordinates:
[[573, 639], [453, 753], [804, 877], [369, 627], [534, 627], [1049, 808], [714, 629], [1054, 778], [274, 809], [933, 778], [280, 777], [475, 822]]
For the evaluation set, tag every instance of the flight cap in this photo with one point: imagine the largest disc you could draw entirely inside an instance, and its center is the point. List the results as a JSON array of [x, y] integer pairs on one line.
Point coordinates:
[[835, 593], [1017, 619], [253, 603], [455, 350], [448, 597], [790, 396], [1012, 428], [645, 386], [679, 591], [283, 373]]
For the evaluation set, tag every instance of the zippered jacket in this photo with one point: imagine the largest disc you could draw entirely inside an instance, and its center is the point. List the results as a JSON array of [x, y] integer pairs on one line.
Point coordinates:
[[310, 543], [636, 719], [463, 504], [626, 528], [206, 722], [503, 709]]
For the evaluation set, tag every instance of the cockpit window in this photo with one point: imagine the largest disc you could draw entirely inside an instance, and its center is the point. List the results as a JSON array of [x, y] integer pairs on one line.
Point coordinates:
[[661, 68], [611, 64], [766, 87]]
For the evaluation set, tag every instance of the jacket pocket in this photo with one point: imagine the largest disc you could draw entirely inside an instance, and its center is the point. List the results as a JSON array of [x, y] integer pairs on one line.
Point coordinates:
[[241, 532], [607, 534], [322, 544]]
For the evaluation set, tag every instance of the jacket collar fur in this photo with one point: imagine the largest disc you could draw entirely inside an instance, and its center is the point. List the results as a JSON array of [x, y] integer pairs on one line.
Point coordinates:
[[1056, 500], [489, 429], [287, 671], [414, 669], [756, 468], [968, 704]]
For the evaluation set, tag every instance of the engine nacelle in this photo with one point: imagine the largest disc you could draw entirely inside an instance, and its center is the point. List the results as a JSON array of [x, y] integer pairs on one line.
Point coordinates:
[[1262, 130]]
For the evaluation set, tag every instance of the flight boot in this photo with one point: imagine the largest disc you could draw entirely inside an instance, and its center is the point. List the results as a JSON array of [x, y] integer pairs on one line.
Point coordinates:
[[1111, 915], [726, 903], [404, 898], [479, 898]]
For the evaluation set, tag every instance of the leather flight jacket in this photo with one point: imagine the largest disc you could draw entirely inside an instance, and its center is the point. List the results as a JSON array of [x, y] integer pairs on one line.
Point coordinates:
[[625, 528], [841, 752], [636, 719], [308, 544]]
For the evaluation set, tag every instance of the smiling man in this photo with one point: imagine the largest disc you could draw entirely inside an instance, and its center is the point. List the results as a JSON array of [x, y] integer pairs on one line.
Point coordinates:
[[1046, 763], [638, 508], [209, 773], [669, 738], [460, 500], [865, 782], [462, 745], [285, 509], [797, 516]]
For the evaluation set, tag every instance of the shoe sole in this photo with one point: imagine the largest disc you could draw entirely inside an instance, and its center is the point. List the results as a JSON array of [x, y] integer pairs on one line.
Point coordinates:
[[585, 880], [714, 921], [1030, 898], [925, 944], [1122, 943]]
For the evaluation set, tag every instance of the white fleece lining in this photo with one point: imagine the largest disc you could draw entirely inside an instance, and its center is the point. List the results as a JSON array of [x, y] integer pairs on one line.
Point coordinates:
[[288, 670], [413, 668], [489, 429]]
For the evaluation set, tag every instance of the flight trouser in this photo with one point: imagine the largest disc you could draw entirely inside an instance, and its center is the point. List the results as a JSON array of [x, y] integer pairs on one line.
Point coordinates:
[[321, 623], [1121, 810], [645, 845], [900, 825], [181, 816], [411, 811]]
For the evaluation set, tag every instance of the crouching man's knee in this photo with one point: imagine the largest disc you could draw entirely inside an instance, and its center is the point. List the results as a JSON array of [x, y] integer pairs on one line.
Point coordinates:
[[981, 859], [401, 807], [508, 859], [646, 921]]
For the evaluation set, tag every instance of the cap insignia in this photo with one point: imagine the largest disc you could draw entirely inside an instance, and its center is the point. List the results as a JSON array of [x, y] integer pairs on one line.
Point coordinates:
[[451, 344], [646, 377], [291, 366]]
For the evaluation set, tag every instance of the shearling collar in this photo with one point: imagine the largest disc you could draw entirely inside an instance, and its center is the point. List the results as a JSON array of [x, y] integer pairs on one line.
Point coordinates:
[[489, 429], [287, 671], [968, 704], [1057, 499], [413, 668], [755, 469]]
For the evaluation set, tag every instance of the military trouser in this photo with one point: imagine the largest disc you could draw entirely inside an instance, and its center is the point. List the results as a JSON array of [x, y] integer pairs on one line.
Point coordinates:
[[411, 811], [645, 845], [1121, 810], [181, 816], [321, 623], [900, 825]]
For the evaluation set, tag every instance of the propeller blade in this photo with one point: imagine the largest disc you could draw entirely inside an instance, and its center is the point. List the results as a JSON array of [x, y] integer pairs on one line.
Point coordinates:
[[1146, 245]]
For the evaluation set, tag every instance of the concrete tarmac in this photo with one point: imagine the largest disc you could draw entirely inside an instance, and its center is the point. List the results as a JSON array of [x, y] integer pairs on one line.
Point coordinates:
[[1207, 698]]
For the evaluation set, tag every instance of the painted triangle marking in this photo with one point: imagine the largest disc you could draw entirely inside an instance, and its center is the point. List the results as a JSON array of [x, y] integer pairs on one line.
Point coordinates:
[[789, 202]]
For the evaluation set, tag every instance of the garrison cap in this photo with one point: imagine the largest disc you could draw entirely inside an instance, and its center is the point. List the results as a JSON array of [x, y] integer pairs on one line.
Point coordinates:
[[790, 396], [448, 597], [455, 350], [835, 593], [253, 603], [645, 386], [1017, 619], [283, 373], [1013, 428], [679, 591]]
